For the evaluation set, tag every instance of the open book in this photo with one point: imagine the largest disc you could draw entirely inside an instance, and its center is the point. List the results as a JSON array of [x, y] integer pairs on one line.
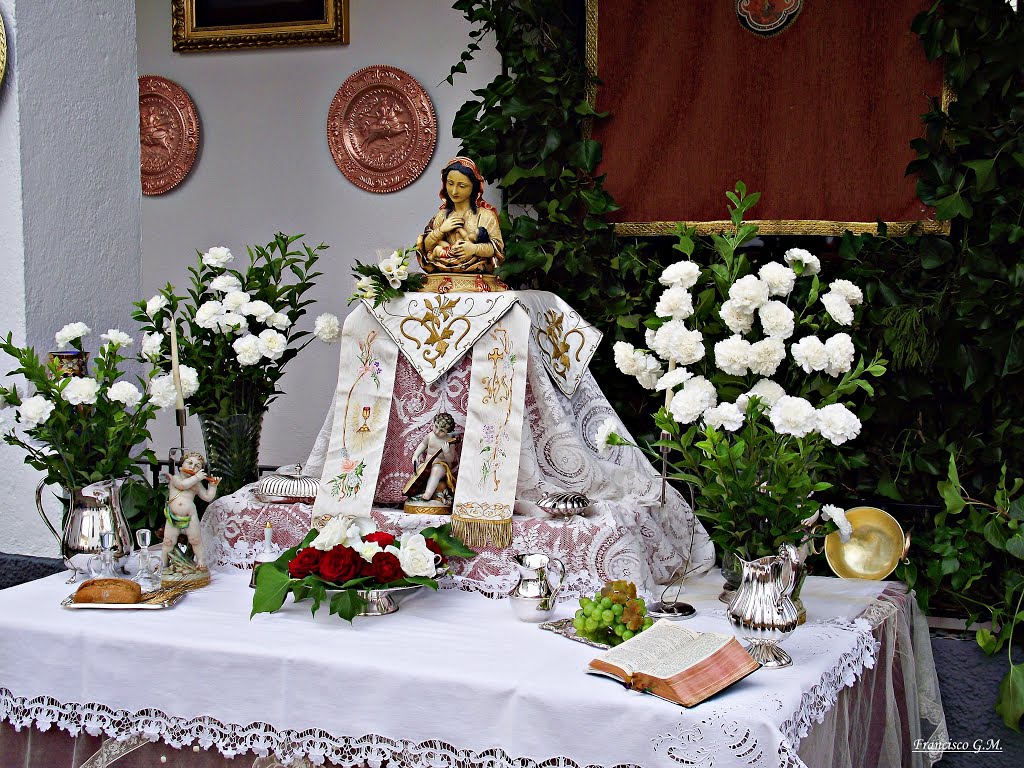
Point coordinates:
[[676, 664]]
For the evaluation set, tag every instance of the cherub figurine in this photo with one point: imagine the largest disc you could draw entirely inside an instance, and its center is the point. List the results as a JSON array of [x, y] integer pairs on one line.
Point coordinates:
[[431, 487], [180, 513], [463, 236]]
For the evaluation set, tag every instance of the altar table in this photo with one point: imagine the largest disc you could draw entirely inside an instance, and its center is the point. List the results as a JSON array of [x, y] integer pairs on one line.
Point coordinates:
[[451, 679]]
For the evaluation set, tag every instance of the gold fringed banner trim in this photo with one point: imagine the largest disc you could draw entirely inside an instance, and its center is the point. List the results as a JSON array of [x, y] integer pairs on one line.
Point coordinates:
[[477, 533]]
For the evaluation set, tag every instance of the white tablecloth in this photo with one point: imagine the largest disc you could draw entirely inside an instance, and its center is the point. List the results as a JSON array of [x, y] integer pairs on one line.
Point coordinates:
[[452, 679]]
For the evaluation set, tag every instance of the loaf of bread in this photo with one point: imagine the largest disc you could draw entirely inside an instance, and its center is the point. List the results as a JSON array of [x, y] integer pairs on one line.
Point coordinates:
[[108, 591]]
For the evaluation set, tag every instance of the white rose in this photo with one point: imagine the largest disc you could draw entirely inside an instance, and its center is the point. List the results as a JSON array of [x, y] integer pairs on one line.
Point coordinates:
[[161, 391], [225, 284], [838, 516], [155, 304], [810, 354], [837, 423], [749, 293], [777, 319], [766, 356], [737, 319], [70, 332], [359, 527], [838, 308], [34, 410], [676, 302], [779, 278], [415, 558], [698, 394], [675, 342], [125, 392], [766, 391], [683, 274], [327, 328], [80, 391], [189, 380], [673, 379], [279, 320], [607, 427], [802, 261], [724, 416], [208, 314], [115, 336], [232, 322], [217, 257], [840, 354], [335, 532], [847, 290], [151, 345], [235, 300], [732, 355], [793, 416], [273, 344], [247, 350], [259, 310], [368, 549]]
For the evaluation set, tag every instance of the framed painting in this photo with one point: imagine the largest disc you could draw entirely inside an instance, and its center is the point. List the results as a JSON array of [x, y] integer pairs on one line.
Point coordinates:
[[209, 25], [812, 104]]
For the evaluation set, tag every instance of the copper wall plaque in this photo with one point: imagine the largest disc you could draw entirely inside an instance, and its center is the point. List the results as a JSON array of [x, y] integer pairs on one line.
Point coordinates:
[[381, 129], [168, 132]]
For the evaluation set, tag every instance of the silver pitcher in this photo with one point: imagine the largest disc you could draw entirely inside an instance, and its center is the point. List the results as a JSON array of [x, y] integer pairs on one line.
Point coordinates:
[[533, 599], [762, 609], [88, 512]]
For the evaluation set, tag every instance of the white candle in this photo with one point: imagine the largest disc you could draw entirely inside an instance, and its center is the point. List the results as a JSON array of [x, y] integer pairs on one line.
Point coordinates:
[[179, 402]]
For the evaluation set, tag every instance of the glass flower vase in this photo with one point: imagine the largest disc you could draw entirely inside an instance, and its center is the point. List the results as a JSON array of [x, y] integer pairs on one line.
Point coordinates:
[[232, 449]]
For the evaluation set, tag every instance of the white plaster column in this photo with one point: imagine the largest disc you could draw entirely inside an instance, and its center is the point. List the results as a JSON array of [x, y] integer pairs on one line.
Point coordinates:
[[70, 198]]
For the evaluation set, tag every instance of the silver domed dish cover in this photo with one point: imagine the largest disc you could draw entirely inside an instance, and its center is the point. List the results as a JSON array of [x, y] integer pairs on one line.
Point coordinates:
[[564, 504], [286, 485]]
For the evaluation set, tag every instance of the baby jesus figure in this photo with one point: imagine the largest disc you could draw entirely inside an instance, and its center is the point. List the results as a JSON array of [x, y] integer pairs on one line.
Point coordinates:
[[431, 488]]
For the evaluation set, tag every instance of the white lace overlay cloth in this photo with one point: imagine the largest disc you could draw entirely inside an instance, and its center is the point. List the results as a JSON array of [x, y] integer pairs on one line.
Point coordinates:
[[449, 680]]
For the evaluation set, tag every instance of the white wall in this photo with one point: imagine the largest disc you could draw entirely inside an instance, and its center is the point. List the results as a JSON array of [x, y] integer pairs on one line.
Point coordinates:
[[264, 166]]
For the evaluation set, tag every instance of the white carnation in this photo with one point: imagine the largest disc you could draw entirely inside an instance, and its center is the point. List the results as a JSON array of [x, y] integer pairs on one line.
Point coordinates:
[[793, 416], [725, 416], [676, 302], [779, 278], [259, 310], [838, 516], [675, 342], [327, 328], [626, 357], [189, 377], [848, 291], [125, 392], [649, 370], [683, 274], [673, 378], [273, 344], [247, 350], [810, 354], [840, 354], [115, 336], [798, 256], [737, 319], [777, 319], [225, 284], [232, 322], [767, 392], [217, 257], [151, 345], [838, 308], [279, 320], [155, 304], [34, 410], [70, 332], [749, 293], [208, 314], [603, 433], [235, 300], [698, 394], [80, 391], [732, 355], [766, 356], [161, 391], [837, 423]]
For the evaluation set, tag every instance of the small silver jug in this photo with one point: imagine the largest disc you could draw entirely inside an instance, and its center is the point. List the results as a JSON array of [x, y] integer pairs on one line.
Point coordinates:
[[533, 599], [88, 512], [762, 609]]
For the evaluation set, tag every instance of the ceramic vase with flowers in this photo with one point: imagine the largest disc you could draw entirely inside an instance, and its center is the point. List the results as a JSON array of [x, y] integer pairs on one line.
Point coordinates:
[[237, 329], [761, 382]]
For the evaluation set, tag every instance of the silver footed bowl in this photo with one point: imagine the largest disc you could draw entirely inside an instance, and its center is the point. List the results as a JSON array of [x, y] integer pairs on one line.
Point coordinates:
[[381, 602], [564, 504]]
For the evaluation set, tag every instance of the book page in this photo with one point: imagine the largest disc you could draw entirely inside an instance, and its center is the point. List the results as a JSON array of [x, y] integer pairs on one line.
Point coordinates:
[[664, 650]]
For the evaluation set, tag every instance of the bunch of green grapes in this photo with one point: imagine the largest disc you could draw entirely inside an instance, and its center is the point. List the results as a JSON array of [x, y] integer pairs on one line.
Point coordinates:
[[613, 615]]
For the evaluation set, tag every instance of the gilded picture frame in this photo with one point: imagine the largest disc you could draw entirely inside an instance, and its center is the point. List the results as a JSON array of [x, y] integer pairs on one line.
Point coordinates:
[[211, 25], [3, 50]]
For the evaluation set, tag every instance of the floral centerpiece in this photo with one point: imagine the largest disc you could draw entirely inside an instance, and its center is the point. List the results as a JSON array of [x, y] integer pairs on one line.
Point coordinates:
[[388, 279], [760, 378], [350, 556], [237, 330]]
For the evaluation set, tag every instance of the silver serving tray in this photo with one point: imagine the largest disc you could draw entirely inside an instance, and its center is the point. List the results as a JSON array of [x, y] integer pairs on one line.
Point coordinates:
[[565, 628], [69, 603]]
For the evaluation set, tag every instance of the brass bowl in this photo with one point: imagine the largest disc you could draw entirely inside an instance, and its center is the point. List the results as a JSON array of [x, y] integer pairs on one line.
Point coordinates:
[[873, 551]]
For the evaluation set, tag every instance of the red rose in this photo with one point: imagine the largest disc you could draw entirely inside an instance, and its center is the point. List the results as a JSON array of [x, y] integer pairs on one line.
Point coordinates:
[[366, 569], [384, 539], [434, 547], [305, 562], [340, 564], [386, 568]]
